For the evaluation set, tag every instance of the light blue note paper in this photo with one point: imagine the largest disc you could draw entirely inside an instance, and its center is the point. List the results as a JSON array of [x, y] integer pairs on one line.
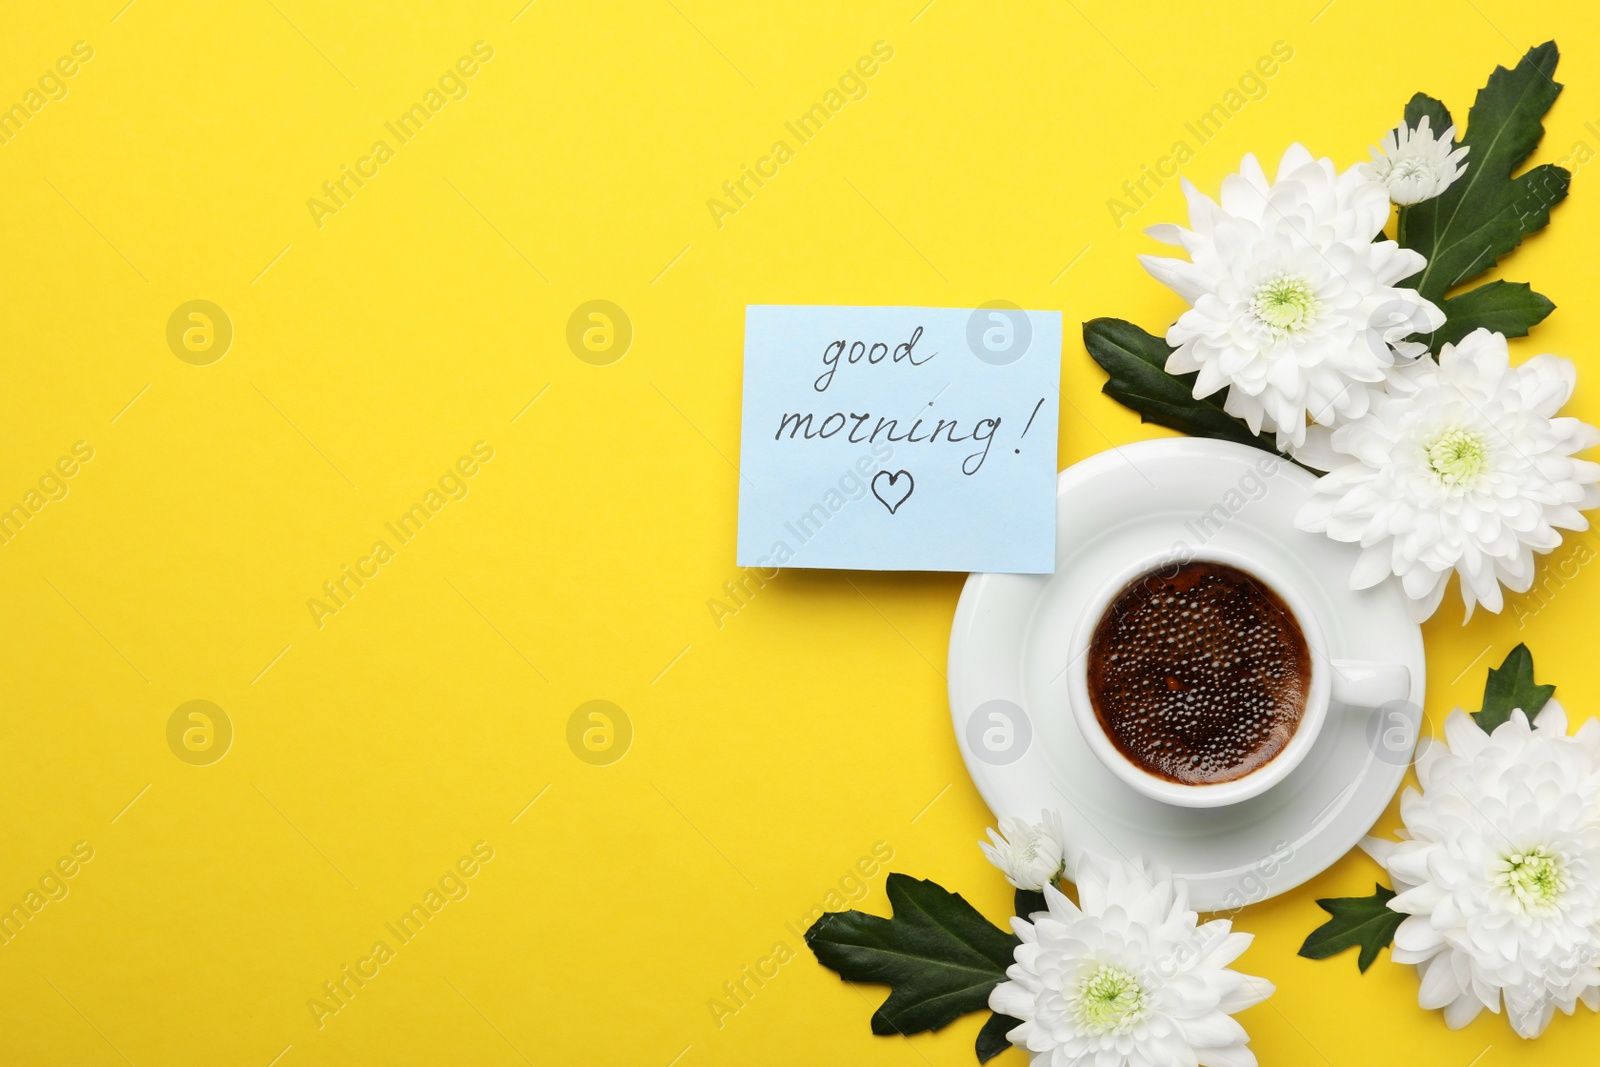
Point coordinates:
[[897, 438]]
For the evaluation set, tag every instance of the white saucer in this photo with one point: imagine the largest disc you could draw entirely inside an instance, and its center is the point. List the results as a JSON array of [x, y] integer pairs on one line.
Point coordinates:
[[1009, 649]]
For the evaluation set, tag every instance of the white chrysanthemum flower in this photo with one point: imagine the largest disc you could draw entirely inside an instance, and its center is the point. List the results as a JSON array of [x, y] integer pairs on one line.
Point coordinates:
[[1498, 870], [1031, 855], [1127, 978], [1414, 165], [1465, 469], [1317, 451], [1294, 306]]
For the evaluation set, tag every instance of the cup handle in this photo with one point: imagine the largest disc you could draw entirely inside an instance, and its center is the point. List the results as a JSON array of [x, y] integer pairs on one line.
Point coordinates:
[[1367, 684]]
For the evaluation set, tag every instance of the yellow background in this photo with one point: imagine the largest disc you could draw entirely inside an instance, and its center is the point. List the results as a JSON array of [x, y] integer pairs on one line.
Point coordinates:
[[770, 753]]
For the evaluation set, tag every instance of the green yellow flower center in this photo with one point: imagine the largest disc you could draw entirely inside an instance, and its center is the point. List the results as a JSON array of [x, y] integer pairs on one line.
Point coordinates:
[[1457, 456], [1109, 1001], [1415, 167], [1285, 302], [1535, 878]]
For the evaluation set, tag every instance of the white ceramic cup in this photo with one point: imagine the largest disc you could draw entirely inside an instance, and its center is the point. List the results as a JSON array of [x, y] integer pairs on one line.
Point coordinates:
[[1345, 683]]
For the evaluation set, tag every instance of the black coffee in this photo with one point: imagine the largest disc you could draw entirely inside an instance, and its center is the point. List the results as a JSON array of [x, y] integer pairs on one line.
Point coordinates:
[[1198, 673]]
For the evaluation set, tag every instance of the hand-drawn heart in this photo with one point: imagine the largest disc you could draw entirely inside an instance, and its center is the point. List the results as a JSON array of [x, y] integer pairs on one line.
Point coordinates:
[[883, 487]]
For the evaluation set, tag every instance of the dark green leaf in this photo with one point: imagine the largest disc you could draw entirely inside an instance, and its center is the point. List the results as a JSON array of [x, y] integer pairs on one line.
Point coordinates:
[[1364, 921], [1486, 213], [1510, 308], [939, 957], [1028, 901], [992, 1038], [1510, 686], [1439, 119], [1136, 363]]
